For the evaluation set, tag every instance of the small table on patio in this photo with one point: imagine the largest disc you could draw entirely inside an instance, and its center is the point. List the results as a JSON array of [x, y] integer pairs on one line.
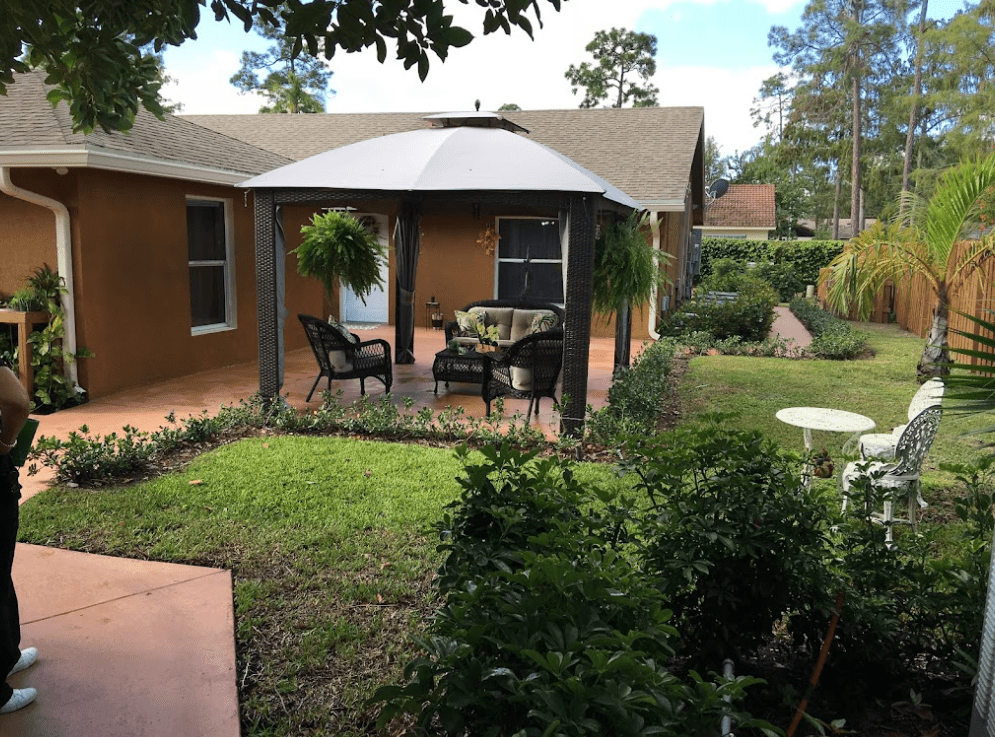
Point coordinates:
[[827, 420], [464, 367]]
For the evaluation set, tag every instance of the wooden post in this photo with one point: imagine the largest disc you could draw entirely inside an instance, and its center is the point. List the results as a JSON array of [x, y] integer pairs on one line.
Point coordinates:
[[24, 321]]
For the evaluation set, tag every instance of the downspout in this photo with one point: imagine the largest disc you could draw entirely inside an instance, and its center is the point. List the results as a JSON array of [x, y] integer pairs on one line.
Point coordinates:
[[64, 256], [654, 299]]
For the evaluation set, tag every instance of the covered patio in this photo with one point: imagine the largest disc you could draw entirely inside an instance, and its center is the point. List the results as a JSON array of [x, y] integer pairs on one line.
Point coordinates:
[[146, 407]]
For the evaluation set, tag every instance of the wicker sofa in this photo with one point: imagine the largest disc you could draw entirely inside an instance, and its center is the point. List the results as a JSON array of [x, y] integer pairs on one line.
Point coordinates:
[[513, 318]]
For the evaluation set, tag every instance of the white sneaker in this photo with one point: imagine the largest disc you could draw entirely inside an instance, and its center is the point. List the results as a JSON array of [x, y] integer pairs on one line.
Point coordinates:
[[21, 698], [28, 657]]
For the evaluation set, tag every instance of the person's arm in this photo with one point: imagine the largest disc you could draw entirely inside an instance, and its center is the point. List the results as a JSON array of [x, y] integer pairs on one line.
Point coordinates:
[[14, 409]]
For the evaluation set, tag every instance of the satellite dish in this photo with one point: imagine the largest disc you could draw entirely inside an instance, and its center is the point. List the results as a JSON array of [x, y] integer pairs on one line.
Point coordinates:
[[718, 188]]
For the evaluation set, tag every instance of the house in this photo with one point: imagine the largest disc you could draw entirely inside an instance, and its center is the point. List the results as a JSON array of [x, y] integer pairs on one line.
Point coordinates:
[[744, 211], [157, 243]]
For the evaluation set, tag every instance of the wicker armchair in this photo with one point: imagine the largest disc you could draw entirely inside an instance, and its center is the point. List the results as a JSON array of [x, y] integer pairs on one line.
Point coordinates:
[[340, 357], [529, 369]]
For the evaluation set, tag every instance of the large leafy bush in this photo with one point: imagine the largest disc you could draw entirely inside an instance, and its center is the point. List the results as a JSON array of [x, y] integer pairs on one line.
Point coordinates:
[[749, 316], [806, 258]]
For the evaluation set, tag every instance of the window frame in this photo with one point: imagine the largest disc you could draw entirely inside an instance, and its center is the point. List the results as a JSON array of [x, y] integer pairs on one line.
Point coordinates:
[[498, 260], [228, 264]]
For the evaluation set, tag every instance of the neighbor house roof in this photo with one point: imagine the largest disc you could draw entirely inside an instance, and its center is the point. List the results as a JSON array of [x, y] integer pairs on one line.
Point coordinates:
[[33, 133], [646, 152], [743, 206]]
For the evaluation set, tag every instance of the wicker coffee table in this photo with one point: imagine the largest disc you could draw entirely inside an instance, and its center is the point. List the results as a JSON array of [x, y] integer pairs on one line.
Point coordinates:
[[463, 367]]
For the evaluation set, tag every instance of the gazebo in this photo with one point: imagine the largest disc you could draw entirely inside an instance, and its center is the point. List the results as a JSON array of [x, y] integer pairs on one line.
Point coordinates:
[[462, 159]]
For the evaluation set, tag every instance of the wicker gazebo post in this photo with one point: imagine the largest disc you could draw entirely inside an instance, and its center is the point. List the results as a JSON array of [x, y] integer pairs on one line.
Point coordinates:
[[267, 309], [577, 318]]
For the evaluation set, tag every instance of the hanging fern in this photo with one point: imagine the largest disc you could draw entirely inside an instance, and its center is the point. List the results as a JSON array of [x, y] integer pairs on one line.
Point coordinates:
[[338, 247]]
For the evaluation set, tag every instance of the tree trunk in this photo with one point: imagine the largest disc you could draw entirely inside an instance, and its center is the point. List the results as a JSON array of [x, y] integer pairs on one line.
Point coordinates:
[[935, 356], [855, 161], [623, 335], [836, 201], [914, 112], [856, 132]]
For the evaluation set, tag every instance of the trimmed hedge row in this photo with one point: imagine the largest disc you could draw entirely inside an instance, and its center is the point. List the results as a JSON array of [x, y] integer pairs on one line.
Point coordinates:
[[805, 257]]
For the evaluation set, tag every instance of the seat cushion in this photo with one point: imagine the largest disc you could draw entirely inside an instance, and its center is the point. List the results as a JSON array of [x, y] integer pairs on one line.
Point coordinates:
[[522, 322], [340, 360], [879, 445], [521, 379], [851, 473]]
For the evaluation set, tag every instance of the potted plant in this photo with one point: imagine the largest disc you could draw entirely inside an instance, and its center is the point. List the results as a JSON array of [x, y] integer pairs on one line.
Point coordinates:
[[488, 337], [338, 247]]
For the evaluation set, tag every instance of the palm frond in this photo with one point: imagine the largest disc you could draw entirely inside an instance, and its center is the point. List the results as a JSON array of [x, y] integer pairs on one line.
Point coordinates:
[[953, 209], [970, 387]]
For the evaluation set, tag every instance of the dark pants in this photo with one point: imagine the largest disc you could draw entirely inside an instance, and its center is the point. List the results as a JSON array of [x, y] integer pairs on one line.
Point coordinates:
[[10, 625]]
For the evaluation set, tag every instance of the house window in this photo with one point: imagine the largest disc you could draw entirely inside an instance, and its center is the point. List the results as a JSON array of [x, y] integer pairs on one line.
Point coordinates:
[[530, 263], [209, 252]]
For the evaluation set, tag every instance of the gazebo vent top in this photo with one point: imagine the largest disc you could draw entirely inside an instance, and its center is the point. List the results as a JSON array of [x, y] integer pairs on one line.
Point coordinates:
[[473, 120]]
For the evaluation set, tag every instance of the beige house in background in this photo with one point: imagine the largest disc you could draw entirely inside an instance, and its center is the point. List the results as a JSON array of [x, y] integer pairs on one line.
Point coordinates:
[[745, 211]]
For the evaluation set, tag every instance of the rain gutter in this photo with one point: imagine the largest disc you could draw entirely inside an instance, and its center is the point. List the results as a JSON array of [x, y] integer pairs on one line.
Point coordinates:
[[64, 256], [654, 300]]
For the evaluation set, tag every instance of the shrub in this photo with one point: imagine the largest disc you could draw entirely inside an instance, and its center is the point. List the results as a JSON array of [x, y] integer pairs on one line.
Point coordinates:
[[546, 628], [805, 257], [831, 337], [749, 316], [735, 540], [782, 277], [635, 398]]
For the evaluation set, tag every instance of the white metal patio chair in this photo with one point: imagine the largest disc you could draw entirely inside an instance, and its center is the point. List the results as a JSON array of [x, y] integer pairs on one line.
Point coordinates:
[[902, 473], [881, 446]]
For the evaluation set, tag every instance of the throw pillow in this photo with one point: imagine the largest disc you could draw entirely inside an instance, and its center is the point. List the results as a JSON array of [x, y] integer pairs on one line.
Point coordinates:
[[543, 321], [469, 323], [342, 330]]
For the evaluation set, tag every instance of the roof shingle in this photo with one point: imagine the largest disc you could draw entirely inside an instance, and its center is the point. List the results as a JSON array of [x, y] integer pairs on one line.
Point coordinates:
[[744, 206]]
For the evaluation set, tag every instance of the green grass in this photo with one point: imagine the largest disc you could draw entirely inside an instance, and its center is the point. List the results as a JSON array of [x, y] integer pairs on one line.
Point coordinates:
[[880, 387], [331, 548]]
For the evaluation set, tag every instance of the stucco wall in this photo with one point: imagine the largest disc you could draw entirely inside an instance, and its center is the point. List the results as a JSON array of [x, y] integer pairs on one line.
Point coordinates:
[[131, 274], [27, 231]]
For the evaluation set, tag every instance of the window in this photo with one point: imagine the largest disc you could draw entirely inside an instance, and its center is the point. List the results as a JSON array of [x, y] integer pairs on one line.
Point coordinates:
[[212, 298], [530, 262]]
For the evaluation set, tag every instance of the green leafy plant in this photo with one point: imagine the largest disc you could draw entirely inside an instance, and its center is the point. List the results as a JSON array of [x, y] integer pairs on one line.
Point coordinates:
[[749, 316], [53, 390], [737, 543], [546, 627], [970, 387], [832, 337], [337, 246]]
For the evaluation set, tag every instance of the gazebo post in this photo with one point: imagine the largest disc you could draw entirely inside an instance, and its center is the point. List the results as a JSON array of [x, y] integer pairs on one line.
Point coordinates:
[[266, 294], [577, 316]]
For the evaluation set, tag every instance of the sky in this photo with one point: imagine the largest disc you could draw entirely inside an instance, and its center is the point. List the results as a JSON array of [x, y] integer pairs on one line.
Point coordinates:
[[711, 53]]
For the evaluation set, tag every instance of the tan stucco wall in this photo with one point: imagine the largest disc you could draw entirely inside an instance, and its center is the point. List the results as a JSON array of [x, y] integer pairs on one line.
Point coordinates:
[[131, 275], [27, 231]]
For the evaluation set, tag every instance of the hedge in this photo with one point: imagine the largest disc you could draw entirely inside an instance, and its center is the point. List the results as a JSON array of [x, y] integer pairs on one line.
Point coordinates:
[[805, 257]]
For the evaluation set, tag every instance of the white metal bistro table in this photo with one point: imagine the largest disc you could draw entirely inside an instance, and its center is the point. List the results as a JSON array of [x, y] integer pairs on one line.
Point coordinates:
[[827, 420]]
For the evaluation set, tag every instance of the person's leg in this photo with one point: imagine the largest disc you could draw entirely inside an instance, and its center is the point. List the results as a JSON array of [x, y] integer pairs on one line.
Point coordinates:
[[10, 626]]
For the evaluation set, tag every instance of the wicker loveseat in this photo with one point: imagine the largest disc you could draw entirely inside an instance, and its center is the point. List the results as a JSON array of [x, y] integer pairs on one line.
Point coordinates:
[[513, 317]]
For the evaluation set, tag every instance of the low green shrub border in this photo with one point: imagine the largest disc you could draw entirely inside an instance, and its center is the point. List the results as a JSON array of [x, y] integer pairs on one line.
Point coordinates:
[[831, 337], [749, 316]]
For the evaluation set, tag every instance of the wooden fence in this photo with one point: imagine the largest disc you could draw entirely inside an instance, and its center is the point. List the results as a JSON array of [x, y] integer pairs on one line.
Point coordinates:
[[910, 303]]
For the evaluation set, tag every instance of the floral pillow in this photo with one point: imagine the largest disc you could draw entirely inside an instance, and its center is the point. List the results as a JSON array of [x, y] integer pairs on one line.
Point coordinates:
[[342, 330], [469, 323], [543, 321]]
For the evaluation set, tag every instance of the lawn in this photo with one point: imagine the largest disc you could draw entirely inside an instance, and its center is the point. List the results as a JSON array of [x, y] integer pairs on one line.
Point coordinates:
[[330, 540]]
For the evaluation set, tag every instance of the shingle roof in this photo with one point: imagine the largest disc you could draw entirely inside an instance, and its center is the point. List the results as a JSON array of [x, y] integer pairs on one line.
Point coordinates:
[[29, 122], [645, 152], [743, 206]]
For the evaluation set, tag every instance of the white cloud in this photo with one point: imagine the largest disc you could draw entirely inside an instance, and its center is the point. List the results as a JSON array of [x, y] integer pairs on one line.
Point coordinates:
[[201, 83]]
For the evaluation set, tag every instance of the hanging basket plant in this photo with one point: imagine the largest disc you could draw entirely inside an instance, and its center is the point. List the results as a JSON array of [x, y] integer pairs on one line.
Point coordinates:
[[338, 247]]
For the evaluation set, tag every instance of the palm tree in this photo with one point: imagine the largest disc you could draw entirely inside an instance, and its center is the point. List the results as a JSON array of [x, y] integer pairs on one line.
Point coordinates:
[[626, 271], [940, 239]]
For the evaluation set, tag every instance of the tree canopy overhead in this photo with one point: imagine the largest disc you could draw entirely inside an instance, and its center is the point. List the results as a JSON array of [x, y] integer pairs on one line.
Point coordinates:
[[92, 53], [623, 57]]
